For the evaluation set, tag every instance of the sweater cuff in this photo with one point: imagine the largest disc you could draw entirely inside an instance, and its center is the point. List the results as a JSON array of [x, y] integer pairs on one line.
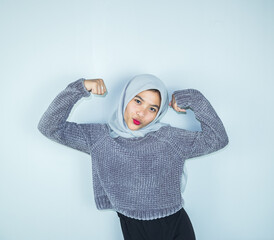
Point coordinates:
[[80, 86], [185, 97]]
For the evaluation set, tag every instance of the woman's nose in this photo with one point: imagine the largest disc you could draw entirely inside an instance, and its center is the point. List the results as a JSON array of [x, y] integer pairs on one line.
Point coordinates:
[[140, 113]]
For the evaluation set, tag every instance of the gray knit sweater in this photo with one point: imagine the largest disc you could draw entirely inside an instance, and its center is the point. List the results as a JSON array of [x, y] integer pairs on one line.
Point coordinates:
[[138, 177]]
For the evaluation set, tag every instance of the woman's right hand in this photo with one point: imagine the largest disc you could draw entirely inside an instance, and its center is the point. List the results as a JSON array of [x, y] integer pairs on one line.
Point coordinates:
[[96, 86]]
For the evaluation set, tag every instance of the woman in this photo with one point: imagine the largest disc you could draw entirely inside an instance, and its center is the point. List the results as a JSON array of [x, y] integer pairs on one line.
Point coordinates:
[[137, 161]]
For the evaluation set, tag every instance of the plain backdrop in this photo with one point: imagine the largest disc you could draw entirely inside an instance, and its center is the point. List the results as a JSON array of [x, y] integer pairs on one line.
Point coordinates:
[[222, 48]]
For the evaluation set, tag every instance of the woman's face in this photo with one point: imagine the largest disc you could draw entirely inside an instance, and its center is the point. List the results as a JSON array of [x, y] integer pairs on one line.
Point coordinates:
[[142, 109]]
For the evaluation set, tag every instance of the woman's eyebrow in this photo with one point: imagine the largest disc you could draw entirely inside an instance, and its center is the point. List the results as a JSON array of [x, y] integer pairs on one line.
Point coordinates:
[[144, 101]]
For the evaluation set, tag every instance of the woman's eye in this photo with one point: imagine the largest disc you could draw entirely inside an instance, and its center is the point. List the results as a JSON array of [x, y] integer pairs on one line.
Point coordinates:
[[138, 101], [153, 109]]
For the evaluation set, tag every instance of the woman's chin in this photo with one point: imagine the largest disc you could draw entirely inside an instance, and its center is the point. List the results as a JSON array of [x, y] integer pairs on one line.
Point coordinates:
[[134, 127]]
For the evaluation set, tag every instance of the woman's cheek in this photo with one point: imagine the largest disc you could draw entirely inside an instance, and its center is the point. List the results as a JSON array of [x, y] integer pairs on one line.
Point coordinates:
[[152, 117]]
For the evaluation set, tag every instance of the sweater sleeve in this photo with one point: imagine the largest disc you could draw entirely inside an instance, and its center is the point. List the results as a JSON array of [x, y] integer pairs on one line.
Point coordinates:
[[54, 124], [196, 143]]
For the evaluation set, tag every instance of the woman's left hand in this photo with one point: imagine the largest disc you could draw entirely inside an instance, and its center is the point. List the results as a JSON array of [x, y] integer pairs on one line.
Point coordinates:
[[174, 105]]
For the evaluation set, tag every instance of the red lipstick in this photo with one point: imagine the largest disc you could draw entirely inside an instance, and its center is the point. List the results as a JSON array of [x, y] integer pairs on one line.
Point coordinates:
[[136, 122]]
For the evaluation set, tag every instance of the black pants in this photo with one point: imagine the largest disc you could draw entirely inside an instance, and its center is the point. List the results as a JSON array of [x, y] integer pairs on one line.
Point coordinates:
[[174, 227]]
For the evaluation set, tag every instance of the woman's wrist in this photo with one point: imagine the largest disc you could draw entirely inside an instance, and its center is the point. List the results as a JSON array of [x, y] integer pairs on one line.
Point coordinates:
[[87, 85]]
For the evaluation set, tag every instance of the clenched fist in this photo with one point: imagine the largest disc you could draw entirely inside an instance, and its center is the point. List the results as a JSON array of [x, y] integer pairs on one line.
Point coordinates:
[[96, 86], [174, 105]]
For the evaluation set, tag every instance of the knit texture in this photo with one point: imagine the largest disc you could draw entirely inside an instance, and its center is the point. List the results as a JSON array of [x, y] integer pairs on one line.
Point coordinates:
[[138, 177]]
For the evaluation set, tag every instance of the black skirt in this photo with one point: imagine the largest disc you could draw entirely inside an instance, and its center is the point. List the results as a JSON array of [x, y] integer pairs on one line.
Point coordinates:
[[173, 227]]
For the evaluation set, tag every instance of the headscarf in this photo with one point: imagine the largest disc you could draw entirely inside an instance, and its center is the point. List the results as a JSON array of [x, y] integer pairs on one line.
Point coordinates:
[[137, 84]]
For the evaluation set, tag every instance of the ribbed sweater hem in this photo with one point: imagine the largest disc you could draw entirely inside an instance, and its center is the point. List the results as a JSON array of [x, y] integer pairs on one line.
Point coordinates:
[[102, 202], [149, 214]]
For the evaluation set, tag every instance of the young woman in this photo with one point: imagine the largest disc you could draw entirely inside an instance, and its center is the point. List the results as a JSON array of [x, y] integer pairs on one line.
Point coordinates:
[[137, 161]]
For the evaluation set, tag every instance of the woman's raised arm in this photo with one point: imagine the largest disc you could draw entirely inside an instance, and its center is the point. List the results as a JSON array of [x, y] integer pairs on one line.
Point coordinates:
[[54, 125], [196, 143]]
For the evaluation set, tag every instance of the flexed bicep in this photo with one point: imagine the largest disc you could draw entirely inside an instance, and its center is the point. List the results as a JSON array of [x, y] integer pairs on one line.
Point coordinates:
[[213, 135]]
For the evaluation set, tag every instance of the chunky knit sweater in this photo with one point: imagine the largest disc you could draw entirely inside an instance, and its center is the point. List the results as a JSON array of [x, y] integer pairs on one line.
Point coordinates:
[[138, 177]]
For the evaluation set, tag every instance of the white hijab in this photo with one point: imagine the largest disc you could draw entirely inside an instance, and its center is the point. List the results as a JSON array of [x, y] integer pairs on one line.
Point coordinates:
[[139, 83]]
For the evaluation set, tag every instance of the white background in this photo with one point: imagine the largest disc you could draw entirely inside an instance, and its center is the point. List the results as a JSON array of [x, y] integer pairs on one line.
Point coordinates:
[[222, 48]]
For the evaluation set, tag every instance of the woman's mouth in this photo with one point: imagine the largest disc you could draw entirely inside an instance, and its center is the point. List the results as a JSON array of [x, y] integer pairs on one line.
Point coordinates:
[[136, 122]]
